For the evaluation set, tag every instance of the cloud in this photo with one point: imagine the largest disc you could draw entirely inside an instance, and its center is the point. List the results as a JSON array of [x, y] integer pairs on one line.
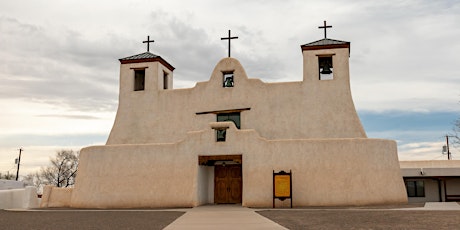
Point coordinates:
[[56, 66], [59, 65], [194, 51], [83, 117], [419, 135], [395, 62], [424, 151], [71, 139], [403, 121]]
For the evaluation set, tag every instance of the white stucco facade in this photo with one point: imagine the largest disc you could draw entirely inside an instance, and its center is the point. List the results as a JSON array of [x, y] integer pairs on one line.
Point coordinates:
[[163, 150]]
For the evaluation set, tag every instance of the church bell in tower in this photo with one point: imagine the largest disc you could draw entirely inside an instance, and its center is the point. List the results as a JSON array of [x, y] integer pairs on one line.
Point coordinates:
[[325, 65]]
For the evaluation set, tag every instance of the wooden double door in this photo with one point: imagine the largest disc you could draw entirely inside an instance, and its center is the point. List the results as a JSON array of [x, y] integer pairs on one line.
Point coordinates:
[[228, 184]]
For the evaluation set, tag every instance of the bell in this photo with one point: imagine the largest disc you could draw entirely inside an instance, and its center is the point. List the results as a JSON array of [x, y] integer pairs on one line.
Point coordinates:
[[326, 70], [228, 82]]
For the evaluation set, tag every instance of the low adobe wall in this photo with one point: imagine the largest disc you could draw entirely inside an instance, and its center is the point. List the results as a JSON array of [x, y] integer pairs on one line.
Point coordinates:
[[54, 197], [23, 198], [326, 172], [135, 176]]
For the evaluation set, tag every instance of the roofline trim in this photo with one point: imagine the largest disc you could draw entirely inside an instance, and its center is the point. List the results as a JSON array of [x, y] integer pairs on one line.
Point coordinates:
[[320, 47], [156, 59]]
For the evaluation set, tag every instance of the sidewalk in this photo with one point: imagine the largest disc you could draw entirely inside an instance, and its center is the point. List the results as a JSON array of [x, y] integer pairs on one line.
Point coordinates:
[[237, 217], [436, 206], [222, 217]]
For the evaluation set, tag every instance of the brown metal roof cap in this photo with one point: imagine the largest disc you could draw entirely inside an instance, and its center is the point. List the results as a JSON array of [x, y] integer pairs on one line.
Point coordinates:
[[146, 57], [325, 43]]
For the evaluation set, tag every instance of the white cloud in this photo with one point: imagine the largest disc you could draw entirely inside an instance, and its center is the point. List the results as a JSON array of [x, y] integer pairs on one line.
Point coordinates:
[[424, 151], [23, 117]]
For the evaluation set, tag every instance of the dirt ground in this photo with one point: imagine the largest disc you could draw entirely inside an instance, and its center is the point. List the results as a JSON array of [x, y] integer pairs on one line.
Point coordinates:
[[81, 219], [364, 219], [378, 217]]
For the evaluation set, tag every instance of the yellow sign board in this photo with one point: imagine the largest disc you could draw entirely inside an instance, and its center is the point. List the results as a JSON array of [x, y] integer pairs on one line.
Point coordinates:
[[282, 185]]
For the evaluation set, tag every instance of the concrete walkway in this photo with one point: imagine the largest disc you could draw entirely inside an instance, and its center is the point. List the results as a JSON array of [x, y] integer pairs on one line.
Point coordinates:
[[222, 217], [436, 206]]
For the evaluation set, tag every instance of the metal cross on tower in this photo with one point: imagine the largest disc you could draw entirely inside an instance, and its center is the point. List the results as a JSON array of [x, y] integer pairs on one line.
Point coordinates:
[[148, 43], [325, 29], [229, 38]]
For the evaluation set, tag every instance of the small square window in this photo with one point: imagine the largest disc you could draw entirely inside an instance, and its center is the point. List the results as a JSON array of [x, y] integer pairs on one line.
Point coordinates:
[[139, 80], [325, 68], [221, 134], [228, 79], [221, 117]]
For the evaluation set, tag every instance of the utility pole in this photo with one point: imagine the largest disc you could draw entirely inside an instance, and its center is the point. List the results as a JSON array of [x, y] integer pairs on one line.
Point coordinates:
[[19, 162], [448, 151], [446, 148]]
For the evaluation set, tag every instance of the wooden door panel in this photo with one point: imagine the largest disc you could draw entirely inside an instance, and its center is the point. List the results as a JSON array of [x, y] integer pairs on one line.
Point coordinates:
[[220, 184], [235, 191], [220, 172], [235, 184], [227, 184], [221, 194], [235, 171]]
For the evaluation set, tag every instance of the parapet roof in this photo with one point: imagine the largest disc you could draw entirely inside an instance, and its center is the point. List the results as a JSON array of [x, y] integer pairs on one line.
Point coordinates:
[[325, 43], [146, 57], [140, 56]]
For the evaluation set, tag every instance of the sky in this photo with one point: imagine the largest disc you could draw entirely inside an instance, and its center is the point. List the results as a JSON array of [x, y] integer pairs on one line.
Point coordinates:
[[59, 65]]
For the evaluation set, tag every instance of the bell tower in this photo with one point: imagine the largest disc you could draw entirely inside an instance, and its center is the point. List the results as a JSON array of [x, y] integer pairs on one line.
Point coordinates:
[[145, 79], [326, 80], [326, 59], [145, 72]]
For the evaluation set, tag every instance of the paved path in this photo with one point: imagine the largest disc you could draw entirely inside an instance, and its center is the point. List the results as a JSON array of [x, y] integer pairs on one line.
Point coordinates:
[[237, 217], [437, 206], [222, 217]]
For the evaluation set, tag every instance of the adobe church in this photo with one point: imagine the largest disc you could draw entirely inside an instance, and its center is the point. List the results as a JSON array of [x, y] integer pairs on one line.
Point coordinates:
[[220, 141]]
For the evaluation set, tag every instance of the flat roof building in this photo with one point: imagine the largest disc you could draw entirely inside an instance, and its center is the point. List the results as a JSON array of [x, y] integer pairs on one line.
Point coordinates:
[[222, 140]]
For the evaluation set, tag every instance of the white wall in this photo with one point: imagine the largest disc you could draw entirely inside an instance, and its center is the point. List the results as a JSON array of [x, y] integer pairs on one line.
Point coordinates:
[[325, 171], [24, 198], [289, 110]]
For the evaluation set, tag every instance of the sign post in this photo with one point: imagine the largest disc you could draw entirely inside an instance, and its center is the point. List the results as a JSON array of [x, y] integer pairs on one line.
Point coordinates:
[[282, 186]]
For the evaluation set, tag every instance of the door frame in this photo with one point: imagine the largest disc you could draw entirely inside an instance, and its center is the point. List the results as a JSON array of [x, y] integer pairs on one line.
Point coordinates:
[[218, 160]]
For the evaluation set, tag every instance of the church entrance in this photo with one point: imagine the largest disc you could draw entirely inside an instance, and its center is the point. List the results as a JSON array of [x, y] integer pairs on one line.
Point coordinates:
[[227, 184], [226, 173]]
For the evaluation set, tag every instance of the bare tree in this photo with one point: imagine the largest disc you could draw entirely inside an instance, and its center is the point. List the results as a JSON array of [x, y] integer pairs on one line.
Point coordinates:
[[61, 172], [6, 176], [34, 179], [456, 134], [63, 169]]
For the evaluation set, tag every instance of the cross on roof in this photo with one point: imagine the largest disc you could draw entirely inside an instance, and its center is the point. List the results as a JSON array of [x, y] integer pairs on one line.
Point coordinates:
[[325, 28], [148, 43], [229, 38]]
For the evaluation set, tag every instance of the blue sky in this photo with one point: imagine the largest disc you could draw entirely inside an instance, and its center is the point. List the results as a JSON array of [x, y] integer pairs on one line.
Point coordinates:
[[59, 65]]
